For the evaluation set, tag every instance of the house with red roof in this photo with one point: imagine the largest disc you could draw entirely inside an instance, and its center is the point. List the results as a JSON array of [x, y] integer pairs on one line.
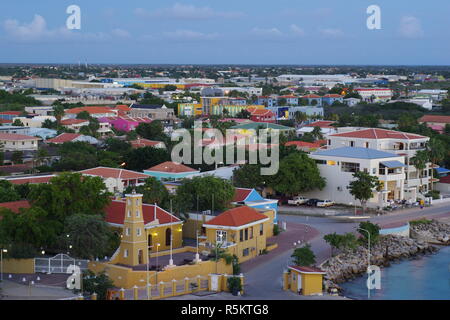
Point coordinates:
[[116, 180], [170, 171], [71, 137], [401, 143], [443, 186], [326, 127], [261, 115], [143, 227], [436, 123], [14, 206], [95, 112], [30, 179], [253, 199], [18, 142], [242, 231], [304, 280], [306, 146], [74, 124], [140, 143]]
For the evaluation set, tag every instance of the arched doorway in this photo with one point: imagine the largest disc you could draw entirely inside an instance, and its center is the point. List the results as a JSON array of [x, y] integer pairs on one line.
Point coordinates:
[[149, 241], [168, 234]]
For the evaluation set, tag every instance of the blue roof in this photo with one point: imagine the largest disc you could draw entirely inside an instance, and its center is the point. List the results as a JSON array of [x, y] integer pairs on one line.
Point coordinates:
[[393, 164], [442, 170], [356, 152]]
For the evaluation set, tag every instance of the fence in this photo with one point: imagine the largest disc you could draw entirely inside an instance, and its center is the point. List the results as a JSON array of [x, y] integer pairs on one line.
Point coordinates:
[[58, 264]]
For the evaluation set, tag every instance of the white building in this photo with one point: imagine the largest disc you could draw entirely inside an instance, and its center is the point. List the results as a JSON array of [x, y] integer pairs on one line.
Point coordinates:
[[338, 165], [375, 94], [18, 142], [401, 143]]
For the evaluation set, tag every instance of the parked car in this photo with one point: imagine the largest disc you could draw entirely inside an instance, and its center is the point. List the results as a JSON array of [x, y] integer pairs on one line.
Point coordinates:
[[312, 202], [325, 203], [296, 201]]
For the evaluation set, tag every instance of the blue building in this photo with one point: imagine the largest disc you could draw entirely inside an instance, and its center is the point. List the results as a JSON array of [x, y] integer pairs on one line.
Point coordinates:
[[267, 101], [251, 198], [329, 99]]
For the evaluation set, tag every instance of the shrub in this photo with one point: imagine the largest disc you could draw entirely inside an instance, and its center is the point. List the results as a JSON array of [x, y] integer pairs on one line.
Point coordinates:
[[234, 284], [435, 194], [276, 230]]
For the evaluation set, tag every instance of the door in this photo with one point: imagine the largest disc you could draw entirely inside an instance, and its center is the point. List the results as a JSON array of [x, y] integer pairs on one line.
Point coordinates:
[[299, 282], [140, 257], [214, 282]]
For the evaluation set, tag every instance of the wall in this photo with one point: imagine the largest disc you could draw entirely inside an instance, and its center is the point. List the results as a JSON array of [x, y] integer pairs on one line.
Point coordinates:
[[18, 266], [399, 231]]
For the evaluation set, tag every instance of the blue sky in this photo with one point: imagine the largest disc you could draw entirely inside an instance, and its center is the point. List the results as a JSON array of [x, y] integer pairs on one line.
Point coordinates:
[[226, 32]]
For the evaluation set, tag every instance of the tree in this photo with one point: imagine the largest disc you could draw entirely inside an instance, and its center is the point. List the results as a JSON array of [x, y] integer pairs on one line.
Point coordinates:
[[297, 173], [342, 242], [8, 192], [437, 152], [300, 117], [88, 235], [71, 193], [317, 133], [153, 131], [248, 176], [18, 123], [205, 188], [143, 158], [58, 112], [100, 284], [243, 114], [420, 160], [49, 124], [372, 228], [363, 187], [304, 256], [153, 191], [85, 115]]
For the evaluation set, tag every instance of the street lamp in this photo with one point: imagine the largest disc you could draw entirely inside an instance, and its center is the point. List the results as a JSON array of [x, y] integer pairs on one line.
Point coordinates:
[[368, 261], [1, 262]]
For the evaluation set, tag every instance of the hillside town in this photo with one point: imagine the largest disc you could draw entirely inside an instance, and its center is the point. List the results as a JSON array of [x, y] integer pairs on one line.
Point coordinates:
[[89, 178]]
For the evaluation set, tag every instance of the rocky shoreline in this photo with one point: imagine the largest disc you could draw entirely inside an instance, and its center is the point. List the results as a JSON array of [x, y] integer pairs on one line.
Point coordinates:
[[425, 239]]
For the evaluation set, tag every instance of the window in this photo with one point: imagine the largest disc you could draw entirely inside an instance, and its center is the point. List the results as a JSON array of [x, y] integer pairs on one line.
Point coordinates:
[[138, 231], [261, 229], [349, 167], [241, 235], [137, 202], [125, 253], [246, 234], [137, 213], [127, 231], [321, 161], [149, 240], [245, 252], [129, 213], [352, 143], [251, 232], [366, 144], [221, 236]]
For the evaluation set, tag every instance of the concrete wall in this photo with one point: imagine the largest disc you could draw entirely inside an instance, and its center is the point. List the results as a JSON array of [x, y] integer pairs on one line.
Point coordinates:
[[398, 231], [18, 266]]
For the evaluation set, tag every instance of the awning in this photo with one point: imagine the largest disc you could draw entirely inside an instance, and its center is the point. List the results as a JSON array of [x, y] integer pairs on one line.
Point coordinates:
[[442, 170], [393, 164]]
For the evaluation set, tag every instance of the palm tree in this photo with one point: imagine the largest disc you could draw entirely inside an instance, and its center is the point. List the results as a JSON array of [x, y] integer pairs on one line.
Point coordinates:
[[58, 112], [436, 149], [420, 161], [300, 117]]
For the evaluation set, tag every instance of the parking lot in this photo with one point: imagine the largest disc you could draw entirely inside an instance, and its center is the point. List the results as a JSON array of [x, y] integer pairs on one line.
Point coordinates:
[[316, 211]]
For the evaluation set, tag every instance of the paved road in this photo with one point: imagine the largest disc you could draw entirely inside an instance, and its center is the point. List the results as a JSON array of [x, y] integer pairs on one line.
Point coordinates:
[[264, 280]]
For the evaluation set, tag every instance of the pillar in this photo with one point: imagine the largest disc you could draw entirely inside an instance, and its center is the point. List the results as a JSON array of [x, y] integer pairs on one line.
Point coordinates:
[[174, 287], [149, 291], [186, 285], [94, 296], [122, 294], [135, 293], [198, 282], [242, 282], [80, 297], [161, 289]]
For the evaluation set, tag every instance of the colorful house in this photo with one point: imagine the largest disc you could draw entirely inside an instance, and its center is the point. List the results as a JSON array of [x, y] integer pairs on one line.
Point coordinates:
[[116, 180], [143, 227], [329, 99], [241, 231], [140, 143], [170, 170], [189, 109], [252, 198], [304, 280], [125, 123], [261, 115]]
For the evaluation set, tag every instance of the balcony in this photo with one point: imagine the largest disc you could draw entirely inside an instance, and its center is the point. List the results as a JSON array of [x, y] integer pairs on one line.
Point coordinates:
[[223, 244]]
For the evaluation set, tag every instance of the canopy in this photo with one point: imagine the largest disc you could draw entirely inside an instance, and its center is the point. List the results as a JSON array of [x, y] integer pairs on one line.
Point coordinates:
[[393, 164]]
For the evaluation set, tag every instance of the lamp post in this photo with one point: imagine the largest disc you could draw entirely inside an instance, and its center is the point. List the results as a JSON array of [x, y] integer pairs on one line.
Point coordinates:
[[1, 262], [368, 260]]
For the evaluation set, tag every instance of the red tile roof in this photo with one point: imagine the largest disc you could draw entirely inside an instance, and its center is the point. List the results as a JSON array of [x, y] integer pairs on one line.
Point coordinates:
[[15, 205], [260, 112], [5, 121], [32, 180], [332, 96], [171, 167], [115, 173], [73, 121], [16, 137], [432, 118], [12, 113], [139, 143], [321, 123], [91, 110], [236, 217], [311, 96], [307, 269], [378, 134], [64, 137], [240, 194], [302, 144], [115, 213]]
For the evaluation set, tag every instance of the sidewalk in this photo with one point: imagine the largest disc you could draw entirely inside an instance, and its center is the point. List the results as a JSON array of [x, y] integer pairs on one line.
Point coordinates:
[[15, 291]]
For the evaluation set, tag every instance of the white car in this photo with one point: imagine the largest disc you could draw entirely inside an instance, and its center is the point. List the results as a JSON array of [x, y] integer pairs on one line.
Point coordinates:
[[325, 203], [297, 201]]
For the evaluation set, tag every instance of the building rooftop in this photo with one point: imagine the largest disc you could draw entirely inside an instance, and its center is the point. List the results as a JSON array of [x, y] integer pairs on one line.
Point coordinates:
[[15, 205], [433, 118], [115, 173], [373, 133], [356, 152], [171, 167], [64, 137], [303, 269], [236, 217], [16, 137]]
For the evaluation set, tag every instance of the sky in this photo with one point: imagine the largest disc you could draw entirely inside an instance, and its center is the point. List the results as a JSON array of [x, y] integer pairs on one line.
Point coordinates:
[[413, 32]]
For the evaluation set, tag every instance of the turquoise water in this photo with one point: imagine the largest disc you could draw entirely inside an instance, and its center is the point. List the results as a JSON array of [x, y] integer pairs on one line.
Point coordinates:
[[424, 278]]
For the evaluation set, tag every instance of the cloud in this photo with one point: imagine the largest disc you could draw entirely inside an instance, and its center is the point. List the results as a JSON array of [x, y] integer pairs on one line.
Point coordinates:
[[332, 33], [187, 11], [190, 35], [37, 31], [272, 32], [411, 27], [296, 30]]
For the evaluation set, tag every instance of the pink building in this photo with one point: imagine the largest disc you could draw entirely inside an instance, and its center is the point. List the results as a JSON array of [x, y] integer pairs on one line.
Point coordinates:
[[125, 123]]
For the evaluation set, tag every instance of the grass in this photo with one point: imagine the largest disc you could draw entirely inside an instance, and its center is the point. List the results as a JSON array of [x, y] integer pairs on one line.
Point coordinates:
[[420, 221]]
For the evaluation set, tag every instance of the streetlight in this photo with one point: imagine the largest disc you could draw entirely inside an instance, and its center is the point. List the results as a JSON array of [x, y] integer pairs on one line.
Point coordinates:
[[1, 262], [197, 256], [368, 261]]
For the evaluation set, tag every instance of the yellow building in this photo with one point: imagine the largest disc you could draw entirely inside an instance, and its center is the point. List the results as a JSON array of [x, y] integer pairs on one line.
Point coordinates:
[[189, 109], [241, 231], [304, 280], [155, 225]]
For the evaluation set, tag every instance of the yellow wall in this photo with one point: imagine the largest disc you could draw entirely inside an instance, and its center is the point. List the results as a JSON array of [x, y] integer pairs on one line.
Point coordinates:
[[127, 278], [18, 266], [311, 283], [159, 236]]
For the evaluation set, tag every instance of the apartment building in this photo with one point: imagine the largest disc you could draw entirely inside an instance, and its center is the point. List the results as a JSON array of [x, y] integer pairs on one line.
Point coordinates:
[[338, 166], [400, 143]]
